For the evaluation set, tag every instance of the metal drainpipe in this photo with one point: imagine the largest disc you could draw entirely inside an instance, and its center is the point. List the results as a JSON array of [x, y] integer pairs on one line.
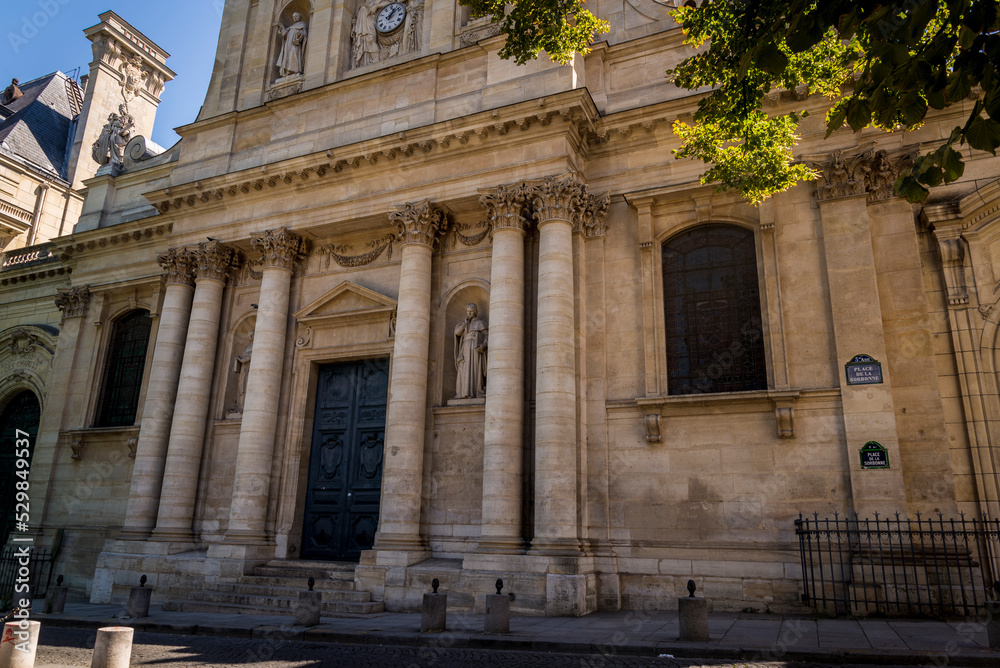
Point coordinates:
[[43, 188]]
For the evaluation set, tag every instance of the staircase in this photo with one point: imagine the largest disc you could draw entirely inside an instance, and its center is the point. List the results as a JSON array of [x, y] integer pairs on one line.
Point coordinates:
[[274, 589]]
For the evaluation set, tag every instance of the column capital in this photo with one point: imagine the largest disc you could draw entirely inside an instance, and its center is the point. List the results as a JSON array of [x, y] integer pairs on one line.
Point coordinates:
[[870, 173], [179, 263], [280, 248], [418, 223], [592, 217], [215, 260], [556, 198], [505, 205], [74, 302]]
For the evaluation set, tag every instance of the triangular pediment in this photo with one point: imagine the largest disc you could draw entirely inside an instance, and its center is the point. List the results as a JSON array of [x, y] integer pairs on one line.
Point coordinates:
[[347, 299]]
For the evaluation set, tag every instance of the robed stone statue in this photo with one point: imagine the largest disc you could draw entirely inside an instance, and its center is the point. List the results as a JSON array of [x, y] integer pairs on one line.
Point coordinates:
[[470, 355], [293, 47]]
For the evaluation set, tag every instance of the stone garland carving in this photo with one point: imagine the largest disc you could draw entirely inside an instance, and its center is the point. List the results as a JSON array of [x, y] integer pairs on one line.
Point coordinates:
[[370, 45], [293, 48], [378, 246], [419, 223], [215, 260], [74, 302], [179, 263], [872, 172], [470, 240], [280, 248]]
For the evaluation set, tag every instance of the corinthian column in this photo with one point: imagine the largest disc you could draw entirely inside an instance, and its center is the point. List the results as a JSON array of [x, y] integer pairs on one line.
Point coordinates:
[[213, 264], [556, 203], [399, 522], [502, 443], [161, 391], [281, 251]]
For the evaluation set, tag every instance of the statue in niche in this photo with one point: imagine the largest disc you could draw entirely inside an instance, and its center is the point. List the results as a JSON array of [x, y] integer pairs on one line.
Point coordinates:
[[470, 355], [293, 47], [241, 367]]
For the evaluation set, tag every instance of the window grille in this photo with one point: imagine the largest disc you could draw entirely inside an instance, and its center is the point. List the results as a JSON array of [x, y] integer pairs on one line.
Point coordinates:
[[712, 301], [123, 370]]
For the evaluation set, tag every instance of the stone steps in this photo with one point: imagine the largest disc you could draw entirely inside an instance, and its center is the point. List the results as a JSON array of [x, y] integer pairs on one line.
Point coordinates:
[[274, 588]]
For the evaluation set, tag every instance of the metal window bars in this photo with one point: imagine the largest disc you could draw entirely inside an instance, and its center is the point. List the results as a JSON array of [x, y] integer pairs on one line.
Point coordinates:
[[39, 571], [898, 566]]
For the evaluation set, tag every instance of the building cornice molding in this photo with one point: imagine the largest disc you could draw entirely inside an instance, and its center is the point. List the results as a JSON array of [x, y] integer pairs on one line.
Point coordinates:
[[573, 109], [109, 238]]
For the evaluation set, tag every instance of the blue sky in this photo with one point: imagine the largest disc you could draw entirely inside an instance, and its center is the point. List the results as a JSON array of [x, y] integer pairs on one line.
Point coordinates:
[[40, 36]]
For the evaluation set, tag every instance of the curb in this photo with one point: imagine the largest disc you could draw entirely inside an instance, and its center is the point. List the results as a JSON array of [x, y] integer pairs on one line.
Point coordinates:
[[482, 641]]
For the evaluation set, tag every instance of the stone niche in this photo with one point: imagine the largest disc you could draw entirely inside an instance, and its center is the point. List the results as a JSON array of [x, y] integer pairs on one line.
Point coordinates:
[[454, 315], [241, 351], [288, 49]]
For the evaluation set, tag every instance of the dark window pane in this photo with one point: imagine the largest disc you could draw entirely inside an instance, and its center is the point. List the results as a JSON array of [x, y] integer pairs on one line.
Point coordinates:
[[123, 370], [714, 337]]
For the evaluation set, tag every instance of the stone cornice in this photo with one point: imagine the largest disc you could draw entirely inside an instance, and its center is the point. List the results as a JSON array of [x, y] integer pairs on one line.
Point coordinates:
[[65, 248], [574, 109]]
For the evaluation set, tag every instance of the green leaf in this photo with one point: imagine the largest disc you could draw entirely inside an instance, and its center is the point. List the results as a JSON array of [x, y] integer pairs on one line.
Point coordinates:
[[772, 60], [983, 134], [951, 162], [859, 115]]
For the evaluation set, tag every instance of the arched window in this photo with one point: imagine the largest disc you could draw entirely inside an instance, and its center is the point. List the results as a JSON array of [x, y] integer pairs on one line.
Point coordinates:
[[712, 302], [123, 370]]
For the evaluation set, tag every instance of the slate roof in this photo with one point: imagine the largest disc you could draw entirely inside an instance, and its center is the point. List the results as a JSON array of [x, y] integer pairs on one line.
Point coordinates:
[[37, 126]]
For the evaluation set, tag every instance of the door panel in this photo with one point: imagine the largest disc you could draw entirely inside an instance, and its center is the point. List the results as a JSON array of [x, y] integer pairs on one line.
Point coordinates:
[[345, 467]]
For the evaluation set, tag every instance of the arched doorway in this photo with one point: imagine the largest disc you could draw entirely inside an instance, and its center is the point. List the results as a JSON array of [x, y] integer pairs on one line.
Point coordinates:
[[21, 413]]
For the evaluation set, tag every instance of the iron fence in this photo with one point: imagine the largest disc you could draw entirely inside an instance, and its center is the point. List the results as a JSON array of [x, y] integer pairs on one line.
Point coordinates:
[[39, 571], [933, 567]]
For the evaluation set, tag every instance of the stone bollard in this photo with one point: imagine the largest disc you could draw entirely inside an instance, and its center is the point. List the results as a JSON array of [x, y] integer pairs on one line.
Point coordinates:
[[113, 648], [55, 601], [19, 643], [993, 623], [693, 616], [434, 614], [138, 600], [497, 612], [310, 606]]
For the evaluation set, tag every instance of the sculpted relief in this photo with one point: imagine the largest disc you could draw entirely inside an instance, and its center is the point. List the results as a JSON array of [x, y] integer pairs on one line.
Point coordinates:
[[385, 28]]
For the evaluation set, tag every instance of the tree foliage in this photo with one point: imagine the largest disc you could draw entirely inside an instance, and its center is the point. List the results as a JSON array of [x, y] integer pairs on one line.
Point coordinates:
[[881, 65], [560, 27]]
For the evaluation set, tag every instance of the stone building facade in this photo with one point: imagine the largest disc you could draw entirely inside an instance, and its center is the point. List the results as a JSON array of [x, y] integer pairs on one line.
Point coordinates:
[[411, 307]]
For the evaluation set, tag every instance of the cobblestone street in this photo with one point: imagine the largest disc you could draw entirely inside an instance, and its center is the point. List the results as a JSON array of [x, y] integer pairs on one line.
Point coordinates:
[[64, 648]]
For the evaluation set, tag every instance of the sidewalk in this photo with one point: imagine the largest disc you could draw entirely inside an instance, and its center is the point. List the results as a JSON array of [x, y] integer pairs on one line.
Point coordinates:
[[734, 636]]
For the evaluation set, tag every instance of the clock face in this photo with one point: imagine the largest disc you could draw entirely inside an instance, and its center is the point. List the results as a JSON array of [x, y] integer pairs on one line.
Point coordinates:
[[391, 17]]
